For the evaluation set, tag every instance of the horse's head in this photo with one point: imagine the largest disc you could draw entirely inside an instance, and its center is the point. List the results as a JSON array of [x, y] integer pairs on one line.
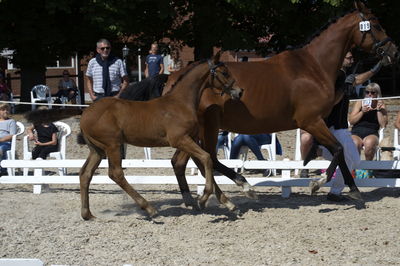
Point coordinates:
[[373, 37], [221, 78]]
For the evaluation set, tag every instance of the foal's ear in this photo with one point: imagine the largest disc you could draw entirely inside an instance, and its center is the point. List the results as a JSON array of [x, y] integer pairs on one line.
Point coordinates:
[[216, 57], [359, 6]]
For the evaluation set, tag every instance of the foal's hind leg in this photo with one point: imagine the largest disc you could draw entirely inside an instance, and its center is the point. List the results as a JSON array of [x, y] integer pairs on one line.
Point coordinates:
[[179, 162], [187, 144], [116, 173], [85, 176], [210, 137]]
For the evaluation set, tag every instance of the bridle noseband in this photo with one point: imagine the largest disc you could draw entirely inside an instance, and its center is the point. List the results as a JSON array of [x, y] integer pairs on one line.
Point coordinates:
[[365, 28], [227, 87]]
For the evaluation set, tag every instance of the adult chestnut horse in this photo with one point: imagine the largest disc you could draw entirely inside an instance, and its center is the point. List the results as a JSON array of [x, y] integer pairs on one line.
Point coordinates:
[[165, 121], [294, 89]]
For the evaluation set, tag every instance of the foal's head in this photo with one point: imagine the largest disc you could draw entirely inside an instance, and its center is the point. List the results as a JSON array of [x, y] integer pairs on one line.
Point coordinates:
[[373, 37], [221, 78]]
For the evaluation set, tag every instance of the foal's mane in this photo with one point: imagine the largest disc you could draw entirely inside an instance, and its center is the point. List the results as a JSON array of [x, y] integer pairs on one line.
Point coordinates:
[[190, 68]]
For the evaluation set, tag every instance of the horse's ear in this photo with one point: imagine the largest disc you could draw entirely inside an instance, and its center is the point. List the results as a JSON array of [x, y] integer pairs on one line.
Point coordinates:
[[359, 6], [216, 57]]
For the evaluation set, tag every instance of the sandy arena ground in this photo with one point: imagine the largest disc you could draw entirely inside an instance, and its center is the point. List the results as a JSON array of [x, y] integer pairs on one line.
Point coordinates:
[[301, 230]]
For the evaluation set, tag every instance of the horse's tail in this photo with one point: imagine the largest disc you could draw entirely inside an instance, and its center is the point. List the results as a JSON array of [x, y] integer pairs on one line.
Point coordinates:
[[51, 115]]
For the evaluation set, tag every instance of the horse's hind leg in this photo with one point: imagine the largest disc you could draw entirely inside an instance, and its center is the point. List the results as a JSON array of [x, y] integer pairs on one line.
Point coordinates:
[[179, 162], [85, 176], [116, 173], [187, 144]]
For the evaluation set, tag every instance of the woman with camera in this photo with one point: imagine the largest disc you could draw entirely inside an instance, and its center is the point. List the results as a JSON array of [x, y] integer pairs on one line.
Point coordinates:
[[367, 117]]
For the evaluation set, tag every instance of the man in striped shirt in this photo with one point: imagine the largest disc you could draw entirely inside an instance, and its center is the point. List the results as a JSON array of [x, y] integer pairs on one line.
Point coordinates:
[[105, 72]]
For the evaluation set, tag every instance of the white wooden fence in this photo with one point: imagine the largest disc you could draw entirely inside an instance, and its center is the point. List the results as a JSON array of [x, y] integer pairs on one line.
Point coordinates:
[[286, 181]]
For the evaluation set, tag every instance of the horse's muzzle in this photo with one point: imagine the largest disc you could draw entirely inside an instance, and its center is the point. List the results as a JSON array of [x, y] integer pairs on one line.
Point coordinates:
[[237, 94]]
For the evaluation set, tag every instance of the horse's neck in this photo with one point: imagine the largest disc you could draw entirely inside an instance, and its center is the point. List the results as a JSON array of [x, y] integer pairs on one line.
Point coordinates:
[[188, 88], [331, 46]]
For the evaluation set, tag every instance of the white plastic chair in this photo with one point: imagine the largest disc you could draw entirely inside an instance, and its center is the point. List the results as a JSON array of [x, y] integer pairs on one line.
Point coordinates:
[[378, 150], [64, 130], [271, 149], [11, 153], [40, 93], [396, 152], [147, 153]]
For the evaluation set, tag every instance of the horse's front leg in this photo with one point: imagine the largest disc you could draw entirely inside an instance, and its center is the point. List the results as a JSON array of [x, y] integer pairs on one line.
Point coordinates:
[[179, 163], [327, 139]]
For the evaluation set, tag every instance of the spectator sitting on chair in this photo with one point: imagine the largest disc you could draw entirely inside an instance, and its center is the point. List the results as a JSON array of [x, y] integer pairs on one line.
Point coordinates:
[[45, 139], [67, 88], [367, 117], [8, 128], [4, 90], [254, 143]]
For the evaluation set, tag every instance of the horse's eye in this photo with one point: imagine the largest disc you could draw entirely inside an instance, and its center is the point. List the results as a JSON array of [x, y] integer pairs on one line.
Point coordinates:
[[225, 74]]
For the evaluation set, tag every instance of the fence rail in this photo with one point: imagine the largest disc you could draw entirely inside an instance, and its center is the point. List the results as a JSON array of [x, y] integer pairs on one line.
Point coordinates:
[[286, 181]]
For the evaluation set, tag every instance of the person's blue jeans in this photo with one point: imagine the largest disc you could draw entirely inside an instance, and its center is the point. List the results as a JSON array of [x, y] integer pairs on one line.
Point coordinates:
[[4, 147], [253, 142], [222, 140]]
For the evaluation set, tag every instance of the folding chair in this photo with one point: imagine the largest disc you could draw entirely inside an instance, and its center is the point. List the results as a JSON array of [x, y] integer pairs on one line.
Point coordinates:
[[64, 130], [11, 153], [40, 93]]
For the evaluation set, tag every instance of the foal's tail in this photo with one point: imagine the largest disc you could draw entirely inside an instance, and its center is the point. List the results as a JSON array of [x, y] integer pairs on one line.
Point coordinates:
[[51, 115]]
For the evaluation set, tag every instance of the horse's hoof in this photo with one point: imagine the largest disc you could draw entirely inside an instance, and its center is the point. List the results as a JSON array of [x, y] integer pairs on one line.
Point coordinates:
[[251, 194], [314, 187], [151, 211], [231, 207], [88, 216], [355, 195], [200, 204]]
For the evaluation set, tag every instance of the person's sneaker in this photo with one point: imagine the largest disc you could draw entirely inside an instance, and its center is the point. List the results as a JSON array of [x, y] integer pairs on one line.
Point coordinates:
[[336, 198], [304, 173]]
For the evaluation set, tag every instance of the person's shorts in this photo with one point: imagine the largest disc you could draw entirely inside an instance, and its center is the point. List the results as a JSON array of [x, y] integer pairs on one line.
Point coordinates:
[[362, 132]]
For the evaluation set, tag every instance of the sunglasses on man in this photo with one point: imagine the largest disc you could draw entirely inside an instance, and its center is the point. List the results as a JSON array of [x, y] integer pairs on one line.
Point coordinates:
[[105, 48]]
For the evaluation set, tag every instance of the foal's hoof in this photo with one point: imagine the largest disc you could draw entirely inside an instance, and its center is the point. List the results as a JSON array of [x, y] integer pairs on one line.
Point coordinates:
[[189, 201], [314, 187], [356, 195], [88, 216]]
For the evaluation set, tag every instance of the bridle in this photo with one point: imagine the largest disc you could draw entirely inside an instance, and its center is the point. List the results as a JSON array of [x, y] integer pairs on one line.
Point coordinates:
[[227, 87], [365, 28]]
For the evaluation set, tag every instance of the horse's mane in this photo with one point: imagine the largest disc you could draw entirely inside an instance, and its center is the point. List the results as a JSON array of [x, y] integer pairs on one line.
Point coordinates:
[[188, 69], [322, 29]]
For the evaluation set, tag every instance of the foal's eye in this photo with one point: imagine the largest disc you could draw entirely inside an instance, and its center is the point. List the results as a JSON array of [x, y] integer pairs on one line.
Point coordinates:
[[225, 74]]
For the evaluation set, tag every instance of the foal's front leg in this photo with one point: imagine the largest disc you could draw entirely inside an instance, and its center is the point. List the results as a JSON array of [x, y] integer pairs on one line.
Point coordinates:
[[179, 162], [116, 173], [188, 145]]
